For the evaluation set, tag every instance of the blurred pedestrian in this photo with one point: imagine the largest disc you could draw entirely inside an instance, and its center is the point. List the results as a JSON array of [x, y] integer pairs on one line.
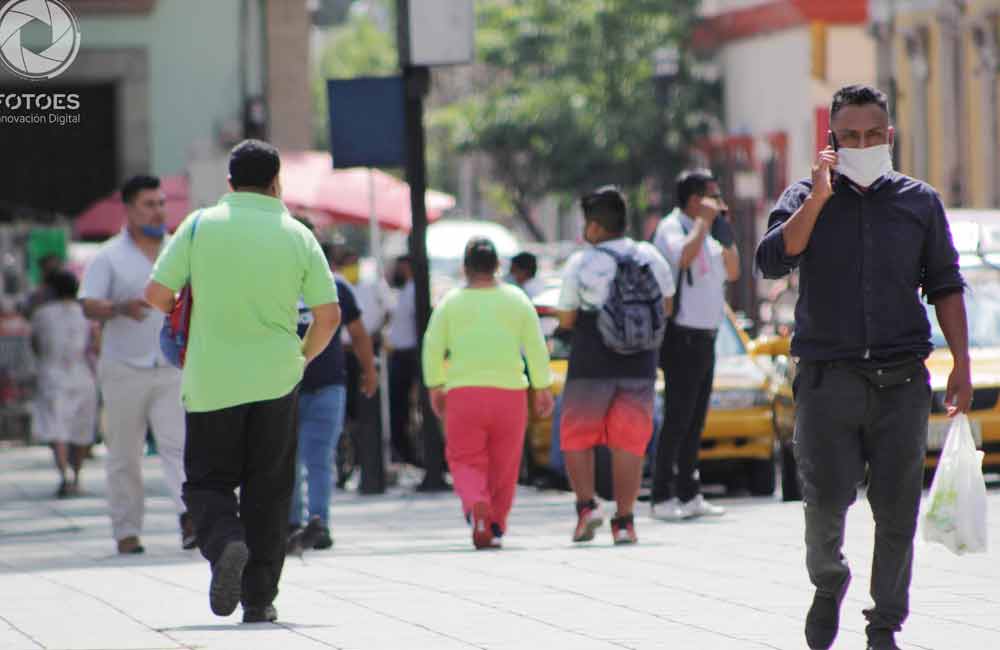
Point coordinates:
[[609, 396], [374, 298], [404, 359], [65, 409], [864, 239], [524, 274], [482, 331], [140, 389], [249, 262], [697, 240], [48, 265], [322, 406]]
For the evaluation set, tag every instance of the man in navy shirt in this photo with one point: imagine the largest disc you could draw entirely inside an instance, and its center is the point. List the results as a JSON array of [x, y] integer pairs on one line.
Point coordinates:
[[322, 406], [865, 239]]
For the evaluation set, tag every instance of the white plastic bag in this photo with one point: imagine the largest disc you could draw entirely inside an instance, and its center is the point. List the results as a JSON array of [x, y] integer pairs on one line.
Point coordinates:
[[955, 511]]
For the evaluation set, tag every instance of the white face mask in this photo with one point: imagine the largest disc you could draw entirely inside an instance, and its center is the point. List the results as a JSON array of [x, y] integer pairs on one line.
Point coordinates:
[[865, 166]]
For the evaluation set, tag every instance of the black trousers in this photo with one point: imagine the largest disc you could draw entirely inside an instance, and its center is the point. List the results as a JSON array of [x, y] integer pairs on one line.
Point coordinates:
[[404, 371], [250, 447], [843, 424], [688, 362]]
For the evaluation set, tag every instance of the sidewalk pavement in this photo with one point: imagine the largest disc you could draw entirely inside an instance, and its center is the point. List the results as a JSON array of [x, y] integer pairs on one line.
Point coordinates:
[[403, 576]]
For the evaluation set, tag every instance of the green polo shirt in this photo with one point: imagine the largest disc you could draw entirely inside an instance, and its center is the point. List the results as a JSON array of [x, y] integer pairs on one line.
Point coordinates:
[[249, 261]]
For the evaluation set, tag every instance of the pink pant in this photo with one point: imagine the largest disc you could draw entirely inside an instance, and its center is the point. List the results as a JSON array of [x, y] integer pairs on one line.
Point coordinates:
[[485, 433]]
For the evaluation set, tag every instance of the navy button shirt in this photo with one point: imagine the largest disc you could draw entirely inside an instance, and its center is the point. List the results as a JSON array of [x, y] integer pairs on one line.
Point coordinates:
[[868, 257]]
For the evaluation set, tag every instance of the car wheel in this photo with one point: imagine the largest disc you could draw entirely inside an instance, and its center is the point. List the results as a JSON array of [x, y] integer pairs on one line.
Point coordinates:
[[761, 478], [791, 489]]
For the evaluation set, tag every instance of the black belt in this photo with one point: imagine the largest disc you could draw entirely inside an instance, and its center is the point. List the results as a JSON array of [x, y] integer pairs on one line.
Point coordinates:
[[694, 332], [880, 374]]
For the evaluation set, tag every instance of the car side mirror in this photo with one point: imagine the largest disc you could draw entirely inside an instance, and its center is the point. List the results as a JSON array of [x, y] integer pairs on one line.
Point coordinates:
[[770, 346]]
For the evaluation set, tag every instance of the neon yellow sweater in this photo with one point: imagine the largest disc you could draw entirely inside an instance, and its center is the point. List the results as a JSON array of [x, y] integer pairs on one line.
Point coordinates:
[[486, 335]]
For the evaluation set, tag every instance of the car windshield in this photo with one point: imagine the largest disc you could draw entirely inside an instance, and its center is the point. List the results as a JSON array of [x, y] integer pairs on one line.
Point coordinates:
[[982, 305]]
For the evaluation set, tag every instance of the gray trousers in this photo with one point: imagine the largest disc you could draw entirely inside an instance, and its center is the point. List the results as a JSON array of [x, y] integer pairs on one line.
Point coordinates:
[[842, 424]]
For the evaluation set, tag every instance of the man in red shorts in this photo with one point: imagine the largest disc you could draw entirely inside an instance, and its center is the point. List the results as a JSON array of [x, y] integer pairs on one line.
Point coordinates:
[[608, 397]]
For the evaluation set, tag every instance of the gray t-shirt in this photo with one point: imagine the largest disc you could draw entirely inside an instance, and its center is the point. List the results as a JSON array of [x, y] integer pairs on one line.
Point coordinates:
[[119, 273]]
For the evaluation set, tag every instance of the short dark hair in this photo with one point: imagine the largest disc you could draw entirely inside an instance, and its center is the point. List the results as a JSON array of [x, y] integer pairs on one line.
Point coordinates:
[[526, 261], [63, 284], [481, 256], [136, 184], [606, 206], [692, 182], [858, 95], [253, 163]]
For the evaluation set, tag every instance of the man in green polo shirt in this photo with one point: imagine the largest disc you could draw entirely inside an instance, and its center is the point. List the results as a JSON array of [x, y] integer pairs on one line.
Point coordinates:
[[249, 262]]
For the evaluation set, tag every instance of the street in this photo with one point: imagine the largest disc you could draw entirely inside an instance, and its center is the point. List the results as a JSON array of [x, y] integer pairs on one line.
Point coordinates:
[[403, 574]]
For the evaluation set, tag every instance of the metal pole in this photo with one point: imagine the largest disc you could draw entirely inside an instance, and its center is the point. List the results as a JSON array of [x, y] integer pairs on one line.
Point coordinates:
[[374, 429], [375, 236], [417, 80]]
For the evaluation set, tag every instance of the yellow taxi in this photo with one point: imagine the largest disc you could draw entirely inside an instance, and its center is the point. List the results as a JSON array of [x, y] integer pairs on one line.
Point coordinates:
[[983, 305], [738, 443]]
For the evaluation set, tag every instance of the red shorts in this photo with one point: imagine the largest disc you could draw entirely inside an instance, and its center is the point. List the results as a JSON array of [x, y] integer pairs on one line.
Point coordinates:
[[617, 413]]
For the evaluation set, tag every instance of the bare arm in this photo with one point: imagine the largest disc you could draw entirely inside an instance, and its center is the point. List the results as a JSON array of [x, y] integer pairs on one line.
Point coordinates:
[[326, 319], [694, 242], [567, 319], [158, 296], [731, 260], [799, 228], [361, 343], [105, 310], [950, 310]]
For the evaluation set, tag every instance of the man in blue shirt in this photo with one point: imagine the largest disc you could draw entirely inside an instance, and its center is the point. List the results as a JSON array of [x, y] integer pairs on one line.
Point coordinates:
[[865, 238], [322, 407]]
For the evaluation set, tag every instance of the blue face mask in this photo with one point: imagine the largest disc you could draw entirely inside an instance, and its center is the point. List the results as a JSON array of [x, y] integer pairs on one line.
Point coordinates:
[[154, 232]]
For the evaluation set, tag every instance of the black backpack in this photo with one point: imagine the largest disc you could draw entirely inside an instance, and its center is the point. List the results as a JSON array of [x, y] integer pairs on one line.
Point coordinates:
[[632, 319]]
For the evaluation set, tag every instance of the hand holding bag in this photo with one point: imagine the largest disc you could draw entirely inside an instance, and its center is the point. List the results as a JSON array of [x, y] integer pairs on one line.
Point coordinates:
[[955, 510], [176, 328]]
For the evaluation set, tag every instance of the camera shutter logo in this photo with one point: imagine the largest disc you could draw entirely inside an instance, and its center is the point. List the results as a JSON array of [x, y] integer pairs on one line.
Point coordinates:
[[56, 56]]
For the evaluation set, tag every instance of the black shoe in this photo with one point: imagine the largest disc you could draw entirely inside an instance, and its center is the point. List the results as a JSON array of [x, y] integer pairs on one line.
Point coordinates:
[[823, 619], [316, 536], [227, 578], [265, 614], [881, 640], [188, 538]]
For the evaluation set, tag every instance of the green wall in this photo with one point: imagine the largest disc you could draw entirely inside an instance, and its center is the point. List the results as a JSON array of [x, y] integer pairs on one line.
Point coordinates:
[[194, 67]]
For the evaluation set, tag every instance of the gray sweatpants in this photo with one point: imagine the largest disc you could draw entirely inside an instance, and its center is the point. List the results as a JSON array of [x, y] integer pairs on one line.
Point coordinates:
[[842, 424]]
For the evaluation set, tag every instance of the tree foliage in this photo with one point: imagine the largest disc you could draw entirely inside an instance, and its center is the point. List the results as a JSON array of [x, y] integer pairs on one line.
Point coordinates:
[[574, 101]]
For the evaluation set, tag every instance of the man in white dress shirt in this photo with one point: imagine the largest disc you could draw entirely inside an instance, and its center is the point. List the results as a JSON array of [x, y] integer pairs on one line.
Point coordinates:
[[698, 243]]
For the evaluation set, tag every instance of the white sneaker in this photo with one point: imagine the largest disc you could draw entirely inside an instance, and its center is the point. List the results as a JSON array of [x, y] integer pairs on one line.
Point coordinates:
[[667, 510], [699, 507]]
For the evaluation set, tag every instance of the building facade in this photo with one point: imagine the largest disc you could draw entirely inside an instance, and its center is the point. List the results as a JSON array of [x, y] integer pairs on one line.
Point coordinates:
[[163, 86], [941, 58]]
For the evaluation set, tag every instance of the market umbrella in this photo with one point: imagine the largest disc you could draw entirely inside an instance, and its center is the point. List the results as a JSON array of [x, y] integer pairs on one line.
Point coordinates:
[[106, 217], [311, 186]]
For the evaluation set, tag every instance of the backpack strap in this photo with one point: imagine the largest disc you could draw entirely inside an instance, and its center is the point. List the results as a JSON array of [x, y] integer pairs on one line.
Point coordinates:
[[607, 251], [683, 274]]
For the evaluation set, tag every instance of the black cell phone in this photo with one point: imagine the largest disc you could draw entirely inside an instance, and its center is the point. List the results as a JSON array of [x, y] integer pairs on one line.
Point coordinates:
[[832, 139]]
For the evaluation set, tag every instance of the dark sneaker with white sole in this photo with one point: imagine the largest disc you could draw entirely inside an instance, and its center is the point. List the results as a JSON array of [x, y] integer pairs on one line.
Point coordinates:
[[882, 640], [823, 619], [266, 614], [227, 578]]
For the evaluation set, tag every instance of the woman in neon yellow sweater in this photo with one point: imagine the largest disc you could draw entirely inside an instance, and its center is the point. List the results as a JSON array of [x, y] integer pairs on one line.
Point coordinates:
[[486, 331]]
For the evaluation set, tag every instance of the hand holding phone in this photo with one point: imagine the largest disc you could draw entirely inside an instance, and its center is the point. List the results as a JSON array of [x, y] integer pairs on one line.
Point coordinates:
[[826, 162]]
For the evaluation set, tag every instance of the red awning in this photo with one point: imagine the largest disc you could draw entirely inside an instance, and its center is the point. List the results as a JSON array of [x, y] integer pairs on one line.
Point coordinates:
[[312, 187]]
